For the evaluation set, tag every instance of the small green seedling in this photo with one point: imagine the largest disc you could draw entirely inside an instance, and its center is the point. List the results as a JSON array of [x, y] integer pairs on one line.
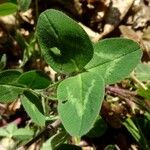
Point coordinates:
[[11, 131], [95, 64], [9, 8], [88, 66]]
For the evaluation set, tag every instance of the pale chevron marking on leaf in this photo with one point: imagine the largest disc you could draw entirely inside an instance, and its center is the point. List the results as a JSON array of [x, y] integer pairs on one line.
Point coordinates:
[[89, 91], [109, 70], [81, 105], [102, 55], [74, 100], [108, 60], [86, 100]]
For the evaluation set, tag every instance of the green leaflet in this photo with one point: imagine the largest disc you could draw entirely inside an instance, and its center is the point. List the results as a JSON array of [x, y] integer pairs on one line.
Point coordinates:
[[24, 4], [114, 58], [80, 98], [23, 134], [11, 130], [9, 93], [65, 45], [34, 79], [3, 132], [144, 93], [8, 90], [53, 142], [142, 71], [7, 9], [33, 106], [9, 76], [12, 83]]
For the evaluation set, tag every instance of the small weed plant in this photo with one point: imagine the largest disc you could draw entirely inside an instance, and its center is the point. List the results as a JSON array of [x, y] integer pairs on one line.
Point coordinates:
[[86, 68]]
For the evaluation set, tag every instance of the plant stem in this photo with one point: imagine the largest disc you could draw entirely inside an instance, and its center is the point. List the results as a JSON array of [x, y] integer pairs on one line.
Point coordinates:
[[48, 129], [135, 79], [128, 96], [117, 90], [53, 85], [77, 140], [44, 96], [48, 97]]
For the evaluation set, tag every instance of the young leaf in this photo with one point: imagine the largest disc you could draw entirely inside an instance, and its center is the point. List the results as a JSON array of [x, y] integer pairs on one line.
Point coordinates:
[[55, 141], [33, 106], [11, 128], [144, 93], [34, 79], [142, 71], [80, 98], [9, 76], [9, 90], [65, 45], [7, 8], [23, 134], [3, 132], [114, 58], [9, 93], [24, 4]]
